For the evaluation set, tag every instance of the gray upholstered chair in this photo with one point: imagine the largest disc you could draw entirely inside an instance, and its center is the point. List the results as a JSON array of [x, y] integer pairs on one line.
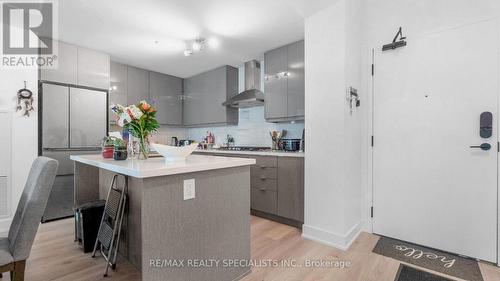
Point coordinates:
[[15, 249]]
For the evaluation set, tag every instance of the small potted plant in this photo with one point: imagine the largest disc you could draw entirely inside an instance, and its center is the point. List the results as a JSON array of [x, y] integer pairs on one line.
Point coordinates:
[[119, 150], [108, 146]]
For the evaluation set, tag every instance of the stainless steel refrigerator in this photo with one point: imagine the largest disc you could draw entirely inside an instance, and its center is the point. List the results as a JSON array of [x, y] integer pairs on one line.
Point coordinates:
[[73, 121]]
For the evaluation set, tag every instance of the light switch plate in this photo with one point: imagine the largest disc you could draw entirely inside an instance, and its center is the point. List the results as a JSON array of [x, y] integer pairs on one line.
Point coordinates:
[[189, 189]]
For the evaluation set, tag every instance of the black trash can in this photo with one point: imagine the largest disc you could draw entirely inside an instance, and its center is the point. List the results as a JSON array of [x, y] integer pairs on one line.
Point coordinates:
[[87, 220]]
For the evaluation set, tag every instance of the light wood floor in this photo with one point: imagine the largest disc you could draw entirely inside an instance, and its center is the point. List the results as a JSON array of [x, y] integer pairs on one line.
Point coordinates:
[[55, 257]]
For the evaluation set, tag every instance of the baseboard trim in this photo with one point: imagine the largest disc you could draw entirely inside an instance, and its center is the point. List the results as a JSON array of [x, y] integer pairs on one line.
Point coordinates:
[[342, 242], [277, 218]]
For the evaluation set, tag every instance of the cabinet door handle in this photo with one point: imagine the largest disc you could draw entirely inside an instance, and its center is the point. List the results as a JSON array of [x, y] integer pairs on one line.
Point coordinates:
[[263, 166], [262, 189], [263, 178]]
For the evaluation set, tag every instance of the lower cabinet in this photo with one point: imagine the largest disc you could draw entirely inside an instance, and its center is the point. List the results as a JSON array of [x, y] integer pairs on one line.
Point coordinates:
[[277, 187], [291, 188], [264, 200]]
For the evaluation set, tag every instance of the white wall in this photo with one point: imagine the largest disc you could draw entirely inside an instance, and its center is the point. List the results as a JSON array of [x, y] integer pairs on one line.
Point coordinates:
[[24, 130], [333, 159], [352, 122]]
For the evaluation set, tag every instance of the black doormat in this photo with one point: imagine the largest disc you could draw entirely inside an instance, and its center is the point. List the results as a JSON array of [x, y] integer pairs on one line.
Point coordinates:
[[432, 259], [408, 273]]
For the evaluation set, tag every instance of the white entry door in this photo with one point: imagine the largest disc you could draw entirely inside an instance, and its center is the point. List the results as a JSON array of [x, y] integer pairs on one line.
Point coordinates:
[[429, 186]]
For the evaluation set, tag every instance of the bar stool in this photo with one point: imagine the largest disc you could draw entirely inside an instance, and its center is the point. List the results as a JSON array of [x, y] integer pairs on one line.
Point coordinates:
[[108, 237]]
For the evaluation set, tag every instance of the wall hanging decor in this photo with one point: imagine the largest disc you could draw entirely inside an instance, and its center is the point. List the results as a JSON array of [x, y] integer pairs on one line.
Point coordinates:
[[25, 101]]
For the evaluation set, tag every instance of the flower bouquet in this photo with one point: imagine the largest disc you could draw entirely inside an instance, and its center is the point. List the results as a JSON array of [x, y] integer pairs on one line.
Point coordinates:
[[140, 121]]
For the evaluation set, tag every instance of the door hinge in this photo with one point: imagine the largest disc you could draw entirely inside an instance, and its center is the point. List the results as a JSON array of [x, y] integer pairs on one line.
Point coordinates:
[[373, 69], [371, 212], [372, 141]]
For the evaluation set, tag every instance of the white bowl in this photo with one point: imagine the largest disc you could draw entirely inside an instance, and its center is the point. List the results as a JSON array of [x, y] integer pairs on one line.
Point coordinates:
[[174, 153]]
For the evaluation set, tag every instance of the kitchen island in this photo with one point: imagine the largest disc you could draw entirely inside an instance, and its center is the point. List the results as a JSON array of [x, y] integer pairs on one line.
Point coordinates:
[[166, 236]]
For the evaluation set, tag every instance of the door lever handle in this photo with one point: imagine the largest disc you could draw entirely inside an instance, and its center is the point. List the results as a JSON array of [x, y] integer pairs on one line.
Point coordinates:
[[483, 146]]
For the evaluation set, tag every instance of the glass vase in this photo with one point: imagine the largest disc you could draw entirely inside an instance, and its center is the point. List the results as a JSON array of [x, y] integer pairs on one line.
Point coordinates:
[[143, 148]]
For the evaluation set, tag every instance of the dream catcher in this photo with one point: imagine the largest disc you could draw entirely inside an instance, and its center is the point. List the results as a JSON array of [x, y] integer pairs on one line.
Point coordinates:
[[25, 101]]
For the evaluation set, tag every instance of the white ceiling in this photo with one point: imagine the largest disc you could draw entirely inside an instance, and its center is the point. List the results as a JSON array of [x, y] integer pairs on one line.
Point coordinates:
[[128, 29]]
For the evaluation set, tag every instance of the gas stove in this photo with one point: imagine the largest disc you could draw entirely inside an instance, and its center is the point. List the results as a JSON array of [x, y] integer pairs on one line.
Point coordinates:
[[245, 148]]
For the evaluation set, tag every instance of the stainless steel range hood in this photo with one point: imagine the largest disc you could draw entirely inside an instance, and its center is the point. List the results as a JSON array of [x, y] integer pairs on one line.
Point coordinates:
[[252, 96]]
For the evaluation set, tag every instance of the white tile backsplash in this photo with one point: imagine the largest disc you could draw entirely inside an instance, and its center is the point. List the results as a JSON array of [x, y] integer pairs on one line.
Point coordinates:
[[165, 134], [252, 129]]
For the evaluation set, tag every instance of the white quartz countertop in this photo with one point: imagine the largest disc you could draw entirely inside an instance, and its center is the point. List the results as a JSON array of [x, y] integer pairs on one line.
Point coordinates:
[[157, 166], [258, 153]]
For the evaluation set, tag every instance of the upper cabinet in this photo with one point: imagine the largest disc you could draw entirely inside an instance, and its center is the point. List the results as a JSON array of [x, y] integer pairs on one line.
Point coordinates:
[[295, 80], [93, 69], [66, 70], [79, 66], [118, 86], [275, 89], [130, 85], [166, 92], [137, 85], [204, 95], [284, 83]]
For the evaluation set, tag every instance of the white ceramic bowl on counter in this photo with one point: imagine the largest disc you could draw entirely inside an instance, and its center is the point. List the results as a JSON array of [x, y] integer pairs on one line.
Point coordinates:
[[174, 153]]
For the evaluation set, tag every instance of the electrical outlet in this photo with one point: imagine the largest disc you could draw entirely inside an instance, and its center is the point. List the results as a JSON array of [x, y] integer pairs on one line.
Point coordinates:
[[189, 189]]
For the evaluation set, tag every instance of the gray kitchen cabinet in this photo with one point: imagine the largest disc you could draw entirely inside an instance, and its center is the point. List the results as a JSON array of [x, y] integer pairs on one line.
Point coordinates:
[[166, 91], [263, 200], [296, 81], [66, 71], [291, 188], [93, 69], [118, 86], [275, 87], [284, 94], [137, 85], [276, 187], [204, 94]]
